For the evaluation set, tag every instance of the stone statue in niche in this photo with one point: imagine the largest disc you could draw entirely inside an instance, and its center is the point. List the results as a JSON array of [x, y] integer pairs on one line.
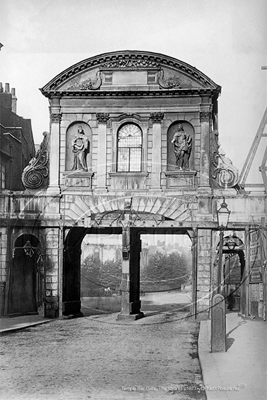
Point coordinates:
[[182, 142], [80, 149]]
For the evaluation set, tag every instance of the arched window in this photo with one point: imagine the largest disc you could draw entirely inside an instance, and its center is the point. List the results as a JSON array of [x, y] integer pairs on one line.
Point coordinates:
[[129, 149]]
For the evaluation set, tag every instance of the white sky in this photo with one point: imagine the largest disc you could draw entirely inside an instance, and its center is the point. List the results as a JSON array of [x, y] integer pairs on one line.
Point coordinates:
[[225, 39]]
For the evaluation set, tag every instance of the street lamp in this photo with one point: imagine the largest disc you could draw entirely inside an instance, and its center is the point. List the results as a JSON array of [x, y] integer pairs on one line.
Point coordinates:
[[223, 215]]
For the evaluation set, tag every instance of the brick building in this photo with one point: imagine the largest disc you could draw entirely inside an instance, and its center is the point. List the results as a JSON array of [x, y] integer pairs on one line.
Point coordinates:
[[16, 150], [16, 141]]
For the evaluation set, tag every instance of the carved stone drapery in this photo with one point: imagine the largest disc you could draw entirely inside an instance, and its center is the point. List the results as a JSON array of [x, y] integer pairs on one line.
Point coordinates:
[[157, 118], [169, 82], [55, 118], [87, 84], [102, 118], [205, 116], [33, 176]]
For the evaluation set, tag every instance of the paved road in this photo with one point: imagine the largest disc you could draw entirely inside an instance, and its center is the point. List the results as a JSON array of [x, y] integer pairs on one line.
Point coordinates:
[[98, 357]]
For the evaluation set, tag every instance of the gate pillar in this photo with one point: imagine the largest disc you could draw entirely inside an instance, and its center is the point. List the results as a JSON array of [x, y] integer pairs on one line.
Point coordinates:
[[130, 283], [204, 254], [52, 274]]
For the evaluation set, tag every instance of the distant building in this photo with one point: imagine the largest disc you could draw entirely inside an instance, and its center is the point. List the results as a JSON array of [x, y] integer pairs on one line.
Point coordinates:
[[16, 141], [103, 249]]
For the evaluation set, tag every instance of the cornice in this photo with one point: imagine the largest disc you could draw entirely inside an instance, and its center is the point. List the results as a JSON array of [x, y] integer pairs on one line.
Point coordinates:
[[132, 93]]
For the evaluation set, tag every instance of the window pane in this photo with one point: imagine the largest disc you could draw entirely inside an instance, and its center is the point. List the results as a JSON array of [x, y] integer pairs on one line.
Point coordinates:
[[135, 159], [123, 159], [130, 136]]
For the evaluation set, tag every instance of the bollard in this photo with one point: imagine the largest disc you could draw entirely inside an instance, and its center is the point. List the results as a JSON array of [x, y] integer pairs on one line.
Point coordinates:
[[218, 324]]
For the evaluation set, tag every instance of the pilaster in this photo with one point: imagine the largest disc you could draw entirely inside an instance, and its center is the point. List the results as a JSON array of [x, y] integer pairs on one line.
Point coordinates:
[[101, 178], [205, 120], [55, 120], [156, 119]]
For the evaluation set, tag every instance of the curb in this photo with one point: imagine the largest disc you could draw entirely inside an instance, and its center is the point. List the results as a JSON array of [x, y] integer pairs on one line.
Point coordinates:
[[22, 326]]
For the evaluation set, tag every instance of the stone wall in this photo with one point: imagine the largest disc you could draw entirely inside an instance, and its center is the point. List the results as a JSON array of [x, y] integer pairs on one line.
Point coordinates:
[[52, 271], [204, 271]]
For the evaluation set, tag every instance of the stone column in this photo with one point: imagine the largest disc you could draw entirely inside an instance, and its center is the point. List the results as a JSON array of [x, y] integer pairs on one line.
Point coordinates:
[[130, 303], [204, 179], [125, 278], [101, 178], [135, 303], [156, 150], [54, 156]]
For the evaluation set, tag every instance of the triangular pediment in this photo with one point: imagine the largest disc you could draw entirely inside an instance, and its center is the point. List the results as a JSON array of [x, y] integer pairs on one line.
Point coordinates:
[[129, 70]]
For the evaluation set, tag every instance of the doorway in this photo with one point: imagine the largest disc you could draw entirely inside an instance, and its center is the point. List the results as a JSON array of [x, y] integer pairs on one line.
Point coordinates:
[[25, 282]]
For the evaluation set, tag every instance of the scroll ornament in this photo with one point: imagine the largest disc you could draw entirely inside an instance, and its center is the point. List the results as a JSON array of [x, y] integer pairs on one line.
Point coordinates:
[[225, 173], [33, 176]]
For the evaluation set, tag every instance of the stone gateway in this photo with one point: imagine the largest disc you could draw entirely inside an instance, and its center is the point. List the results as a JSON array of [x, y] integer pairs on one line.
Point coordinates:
[[132, 148]]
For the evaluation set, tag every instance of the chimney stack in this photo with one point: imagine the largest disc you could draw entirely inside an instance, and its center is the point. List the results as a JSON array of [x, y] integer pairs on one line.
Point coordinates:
[[7, 87], [14, 101], [1, 87]]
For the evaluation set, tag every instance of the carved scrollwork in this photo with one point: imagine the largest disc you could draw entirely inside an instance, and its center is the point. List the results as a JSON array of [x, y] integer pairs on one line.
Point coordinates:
[[33, 176], [55, 118], [157, 117], [169, 82], [225, 174], [205, 116], [215, 150], [102, 118], [132, 62]]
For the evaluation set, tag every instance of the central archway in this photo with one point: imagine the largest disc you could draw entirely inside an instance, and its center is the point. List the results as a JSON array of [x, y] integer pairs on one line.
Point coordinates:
[[130, 274]]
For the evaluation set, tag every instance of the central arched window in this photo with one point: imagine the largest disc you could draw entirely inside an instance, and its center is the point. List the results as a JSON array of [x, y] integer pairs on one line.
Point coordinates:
[[129, 149]]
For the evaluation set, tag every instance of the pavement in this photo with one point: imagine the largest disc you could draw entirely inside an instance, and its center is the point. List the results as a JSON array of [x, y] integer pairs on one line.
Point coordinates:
[[238, 373], [9, 325]]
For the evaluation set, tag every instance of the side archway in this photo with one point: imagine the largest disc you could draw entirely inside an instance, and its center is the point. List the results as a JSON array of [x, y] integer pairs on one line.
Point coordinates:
[[25, 282]]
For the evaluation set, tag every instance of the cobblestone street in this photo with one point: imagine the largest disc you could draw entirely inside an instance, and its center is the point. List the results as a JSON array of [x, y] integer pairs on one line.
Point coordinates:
[[97, 357]]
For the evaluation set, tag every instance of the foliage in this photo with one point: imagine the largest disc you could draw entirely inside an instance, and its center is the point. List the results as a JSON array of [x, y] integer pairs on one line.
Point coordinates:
[[164, 272], [97, 275]]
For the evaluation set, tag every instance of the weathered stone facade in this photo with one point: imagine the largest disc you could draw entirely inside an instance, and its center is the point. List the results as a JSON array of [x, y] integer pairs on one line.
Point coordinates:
[[132, 148]]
